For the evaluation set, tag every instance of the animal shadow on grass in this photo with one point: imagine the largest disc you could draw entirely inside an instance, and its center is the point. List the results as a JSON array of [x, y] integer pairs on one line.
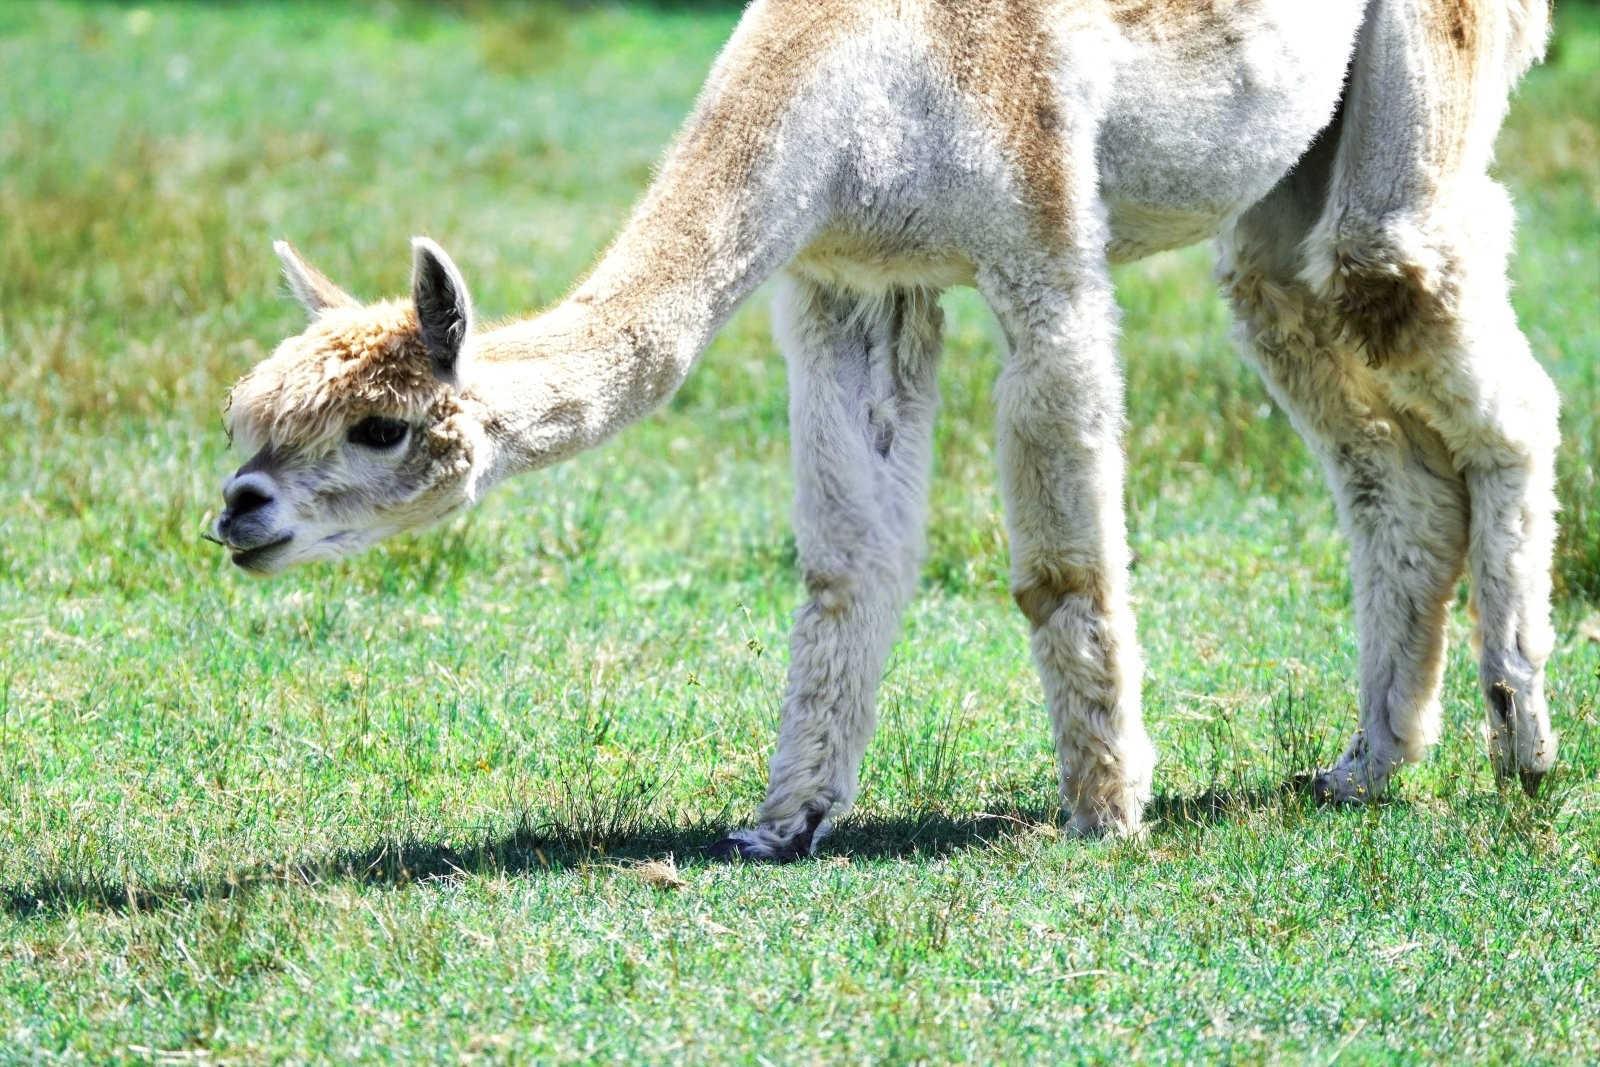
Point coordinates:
[[527, 849]]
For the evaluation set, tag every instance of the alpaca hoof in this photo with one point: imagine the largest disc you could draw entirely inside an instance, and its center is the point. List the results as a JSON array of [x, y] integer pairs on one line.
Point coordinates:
[[771, 844], [1526, 770], [1105, 831], [1334, 787], [1361, 776], [1529, 777], [743, 845], [1522, 747], [1345, 785], [731, 848], [1123, 820]]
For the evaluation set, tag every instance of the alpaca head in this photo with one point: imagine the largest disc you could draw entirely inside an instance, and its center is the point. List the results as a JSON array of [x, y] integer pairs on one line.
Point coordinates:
[[355, 429]]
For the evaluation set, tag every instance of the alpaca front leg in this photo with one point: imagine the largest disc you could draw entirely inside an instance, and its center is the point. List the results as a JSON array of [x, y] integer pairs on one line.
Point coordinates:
[[1513, 513], [837, 650], [1405, 512], [863, 391], [1060, 416]]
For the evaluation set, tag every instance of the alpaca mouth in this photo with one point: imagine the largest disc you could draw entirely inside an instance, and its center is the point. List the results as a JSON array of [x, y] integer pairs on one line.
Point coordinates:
[[252, 558]]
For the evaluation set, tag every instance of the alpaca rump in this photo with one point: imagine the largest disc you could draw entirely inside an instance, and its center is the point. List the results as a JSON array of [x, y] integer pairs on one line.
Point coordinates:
[[874, 154]]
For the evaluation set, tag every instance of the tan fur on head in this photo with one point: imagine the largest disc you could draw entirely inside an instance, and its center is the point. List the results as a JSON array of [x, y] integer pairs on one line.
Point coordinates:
[[353, 437], [357, 427], [350, 363]]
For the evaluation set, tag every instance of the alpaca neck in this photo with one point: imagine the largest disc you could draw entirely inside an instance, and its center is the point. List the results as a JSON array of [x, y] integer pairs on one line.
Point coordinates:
[[564, 381], [728, 209]]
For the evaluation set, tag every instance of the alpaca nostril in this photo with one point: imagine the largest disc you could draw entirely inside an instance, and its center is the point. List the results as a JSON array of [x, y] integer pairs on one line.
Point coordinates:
[[244, 499]]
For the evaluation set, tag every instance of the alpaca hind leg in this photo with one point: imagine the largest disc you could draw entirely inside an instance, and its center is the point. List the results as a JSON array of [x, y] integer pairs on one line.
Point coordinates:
[[1476, 381], [1059, 409], [1401, 503], [863, 388], [1401, 242], [1404, 511]]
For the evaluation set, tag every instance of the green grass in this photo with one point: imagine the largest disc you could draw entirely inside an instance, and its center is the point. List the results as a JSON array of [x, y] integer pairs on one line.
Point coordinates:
[[396, 809]]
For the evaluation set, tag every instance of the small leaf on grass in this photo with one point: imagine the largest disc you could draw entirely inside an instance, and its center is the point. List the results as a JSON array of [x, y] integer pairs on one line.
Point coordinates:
[[1391, 953]]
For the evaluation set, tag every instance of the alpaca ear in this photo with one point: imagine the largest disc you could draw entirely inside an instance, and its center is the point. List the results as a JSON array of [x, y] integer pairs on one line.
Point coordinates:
[[444, 311], [314, 291]]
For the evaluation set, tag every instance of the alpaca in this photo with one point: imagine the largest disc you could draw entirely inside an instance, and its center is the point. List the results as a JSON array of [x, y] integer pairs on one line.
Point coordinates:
[[873, 153]]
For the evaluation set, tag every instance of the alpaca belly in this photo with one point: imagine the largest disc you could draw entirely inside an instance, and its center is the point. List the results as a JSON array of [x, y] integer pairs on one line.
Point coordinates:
[[863, 262], [1205, 117], [1139, 230]]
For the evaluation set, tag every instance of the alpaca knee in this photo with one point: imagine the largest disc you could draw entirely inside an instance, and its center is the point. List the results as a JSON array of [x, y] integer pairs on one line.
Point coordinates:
[[831, 591], [1496, 407], [1041, 596]]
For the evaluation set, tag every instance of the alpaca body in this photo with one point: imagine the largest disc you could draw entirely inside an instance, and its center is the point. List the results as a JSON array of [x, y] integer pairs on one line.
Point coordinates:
[[876, 153], [1188, 131]]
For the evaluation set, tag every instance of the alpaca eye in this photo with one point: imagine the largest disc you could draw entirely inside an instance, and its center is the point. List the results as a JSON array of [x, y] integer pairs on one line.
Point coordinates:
[[378, 432]]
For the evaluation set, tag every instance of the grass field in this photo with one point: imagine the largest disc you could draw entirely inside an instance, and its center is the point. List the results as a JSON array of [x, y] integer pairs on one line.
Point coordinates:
[[448, 800]]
